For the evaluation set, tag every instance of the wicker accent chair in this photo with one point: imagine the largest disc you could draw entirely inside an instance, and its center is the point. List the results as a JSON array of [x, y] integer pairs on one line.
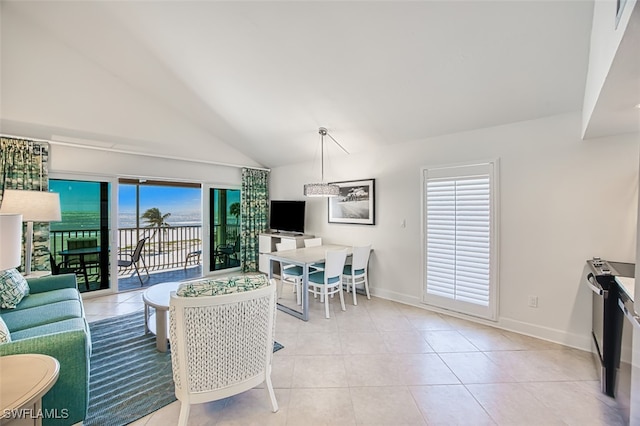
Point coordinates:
[[222, 345]]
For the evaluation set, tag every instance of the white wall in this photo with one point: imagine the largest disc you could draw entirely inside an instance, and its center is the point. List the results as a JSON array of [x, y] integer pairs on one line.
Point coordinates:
[[605, 40], [563, 200], [52, 92], [65, 159]]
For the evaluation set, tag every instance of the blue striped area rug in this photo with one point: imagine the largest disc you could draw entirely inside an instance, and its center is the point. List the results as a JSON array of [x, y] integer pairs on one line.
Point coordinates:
[[129, 377]]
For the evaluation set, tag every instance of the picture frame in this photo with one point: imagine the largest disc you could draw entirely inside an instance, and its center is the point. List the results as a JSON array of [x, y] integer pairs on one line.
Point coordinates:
[[355, 204]]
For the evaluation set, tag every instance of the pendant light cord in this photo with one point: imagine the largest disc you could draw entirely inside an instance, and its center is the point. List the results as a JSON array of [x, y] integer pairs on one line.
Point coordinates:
[[323, 131]]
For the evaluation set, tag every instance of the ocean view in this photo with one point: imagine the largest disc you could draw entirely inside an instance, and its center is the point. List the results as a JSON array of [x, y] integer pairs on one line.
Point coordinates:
[[91, 220]]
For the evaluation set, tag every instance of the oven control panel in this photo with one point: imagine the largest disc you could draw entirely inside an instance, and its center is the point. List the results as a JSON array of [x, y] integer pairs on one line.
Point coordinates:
[[601, 267]]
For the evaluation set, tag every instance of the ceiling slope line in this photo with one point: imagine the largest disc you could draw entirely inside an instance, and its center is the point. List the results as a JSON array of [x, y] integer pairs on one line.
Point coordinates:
[[166, 157]]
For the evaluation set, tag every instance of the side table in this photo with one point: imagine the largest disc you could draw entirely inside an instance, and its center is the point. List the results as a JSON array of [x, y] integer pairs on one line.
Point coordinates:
[[157, 297], [25, 379]]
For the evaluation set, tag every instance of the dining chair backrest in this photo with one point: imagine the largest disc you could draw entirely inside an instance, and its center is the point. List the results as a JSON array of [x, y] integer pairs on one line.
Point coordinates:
[[334, 263], [83, 242], [313, 242], [138, 250], [360, 257], [286, 244]]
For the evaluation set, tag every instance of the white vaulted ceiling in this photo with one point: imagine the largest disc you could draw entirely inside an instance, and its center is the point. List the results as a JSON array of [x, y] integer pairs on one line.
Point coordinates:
[[246, 82]]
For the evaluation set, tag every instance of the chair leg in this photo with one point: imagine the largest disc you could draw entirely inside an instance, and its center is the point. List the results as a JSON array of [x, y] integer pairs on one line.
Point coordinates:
[[325, 294], [279, 290], [184, 413], [344, 308], [272, 394], [145, 266], [366, 284], [353, 282], [138, 272]]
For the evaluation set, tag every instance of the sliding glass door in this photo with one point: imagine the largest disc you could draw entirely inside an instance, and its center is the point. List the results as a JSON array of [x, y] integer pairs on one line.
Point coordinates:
[[80, 242], [168, 217], [224, 238]]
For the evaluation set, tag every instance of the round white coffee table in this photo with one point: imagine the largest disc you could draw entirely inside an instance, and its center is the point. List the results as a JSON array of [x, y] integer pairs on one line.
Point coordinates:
[[25, 379], [157, 297]]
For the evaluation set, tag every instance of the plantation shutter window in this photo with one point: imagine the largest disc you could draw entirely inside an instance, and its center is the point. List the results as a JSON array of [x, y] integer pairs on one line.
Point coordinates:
[[460, 252]]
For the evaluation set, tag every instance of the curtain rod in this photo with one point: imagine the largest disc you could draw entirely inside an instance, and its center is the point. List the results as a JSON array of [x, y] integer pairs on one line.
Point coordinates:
[[143, 154]]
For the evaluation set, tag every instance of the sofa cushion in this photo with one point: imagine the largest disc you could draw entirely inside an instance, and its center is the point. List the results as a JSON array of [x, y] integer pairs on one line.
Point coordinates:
[[228, 285], [5, 336], [40, 315], [13, 288], [71, 324], [46, 298]]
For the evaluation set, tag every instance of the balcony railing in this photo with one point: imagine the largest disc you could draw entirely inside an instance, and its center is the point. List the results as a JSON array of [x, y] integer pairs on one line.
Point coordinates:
[[166, 248]]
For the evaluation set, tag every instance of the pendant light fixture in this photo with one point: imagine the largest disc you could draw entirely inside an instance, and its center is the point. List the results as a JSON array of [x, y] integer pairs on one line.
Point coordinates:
[[323, 189]]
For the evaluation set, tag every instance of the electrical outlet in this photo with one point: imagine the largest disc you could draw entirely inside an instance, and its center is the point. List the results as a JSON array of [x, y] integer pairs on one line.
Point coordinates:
[[533, 301]]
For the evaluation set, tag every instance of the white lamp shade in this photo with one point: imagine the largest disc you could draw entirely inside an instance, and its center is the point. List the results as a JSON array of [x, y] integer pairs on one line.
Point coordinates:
[[10, 241], [34, 206]]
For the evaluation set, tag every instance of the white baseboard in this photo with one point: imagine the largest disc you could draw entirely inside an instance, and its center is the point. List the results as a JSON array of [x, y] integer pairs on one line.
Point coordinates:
[[561, 337]]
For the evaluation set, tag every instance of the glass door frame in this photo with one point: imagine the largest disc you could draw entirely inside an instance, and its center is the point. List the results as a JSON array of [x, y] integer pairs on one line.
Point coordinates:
[[113, 224], [208, 226]]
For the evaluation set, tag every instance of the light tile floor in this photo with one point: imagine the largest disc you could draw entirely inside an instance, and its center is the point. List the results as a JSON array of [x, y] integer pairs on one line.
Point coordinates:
[[384, 363]]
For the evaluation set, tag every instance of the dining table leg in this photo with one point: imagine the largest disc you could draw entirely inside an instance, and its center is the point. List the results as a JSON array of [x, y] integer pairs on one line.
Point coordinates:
[[305, 292], [83, 265]]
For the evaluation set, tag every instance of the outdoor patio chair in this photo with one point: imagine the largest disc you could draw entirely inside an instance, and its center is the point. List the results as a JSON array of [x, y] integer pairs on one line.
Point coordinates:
[[192, 254], [60, 268], [132, 259], [91, 261]]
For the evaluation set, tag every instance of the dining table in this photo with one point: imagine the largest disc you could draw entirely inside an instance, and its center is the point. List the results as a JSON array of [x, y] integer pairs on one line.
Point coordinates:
[[304, 257], [81, 253]]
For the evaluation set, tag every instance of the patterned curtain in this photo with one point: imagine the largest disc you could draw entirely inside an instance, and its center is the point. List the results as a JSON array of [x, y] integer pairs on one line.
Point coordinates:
[[254, 209], [23, 165]]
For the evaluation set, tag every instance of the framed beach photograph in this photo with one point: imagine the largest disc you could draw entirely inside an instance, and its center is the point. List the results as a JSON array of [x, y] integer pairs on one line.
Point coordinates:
[[355, 204]]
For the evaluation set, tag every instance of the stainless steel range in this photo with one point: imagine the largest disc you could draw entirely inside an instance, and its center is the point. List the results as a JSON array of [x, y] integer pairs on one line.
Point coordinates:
[[607, 317]]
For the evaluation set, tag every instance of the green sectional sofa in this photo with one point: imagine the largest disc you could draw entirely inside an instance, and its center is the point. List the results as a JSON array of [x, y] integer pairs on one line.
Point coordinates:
[[50, 321]]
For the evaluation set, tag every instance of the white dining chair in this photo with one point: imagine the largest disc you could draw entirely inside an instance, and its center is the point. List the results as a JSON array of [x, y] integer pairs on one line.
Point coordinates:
[[315, 242], [289, 273], [357, 272], [329, 281]]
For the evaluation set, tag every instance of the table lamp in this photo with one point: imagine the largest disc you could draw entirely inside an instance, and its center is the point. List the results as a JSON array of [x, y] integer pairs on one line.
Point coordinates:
[[10, 240], [34, 206]]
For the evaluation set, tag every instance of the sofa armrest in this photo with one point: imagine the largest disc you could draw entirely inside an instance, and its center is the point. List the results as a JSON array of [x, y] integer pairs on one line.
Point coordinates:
[[52, 282], [69, 397]]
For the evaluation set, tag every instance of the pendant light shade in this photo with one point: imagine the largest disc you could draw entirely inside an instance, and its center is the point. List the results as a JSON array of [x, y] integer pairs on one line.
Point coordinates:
[[323, 189]]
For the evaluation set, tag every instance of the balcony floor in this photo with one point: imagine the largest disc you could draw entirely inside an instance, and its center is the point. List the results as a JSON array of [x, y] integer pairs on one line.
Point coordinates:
[[155, 277], [129, 282]]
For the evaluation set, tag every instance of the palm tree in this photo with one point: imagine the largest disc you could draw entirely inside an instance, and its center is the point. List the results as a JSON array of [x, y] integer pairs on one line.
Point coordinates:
[[155, 219], [234, 209]]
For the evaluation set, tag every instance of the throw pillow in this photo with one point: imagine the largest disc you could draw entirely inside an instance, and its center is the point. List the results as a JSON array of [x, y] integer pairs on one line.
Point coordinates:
[[5, 337], [13, 288], [215, 287]]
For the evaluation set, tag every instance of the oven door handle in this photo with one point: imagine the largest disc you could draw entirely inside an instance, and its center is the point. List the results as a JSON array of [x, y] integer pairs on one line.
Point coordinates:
[[596, 289], [634, 319]]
